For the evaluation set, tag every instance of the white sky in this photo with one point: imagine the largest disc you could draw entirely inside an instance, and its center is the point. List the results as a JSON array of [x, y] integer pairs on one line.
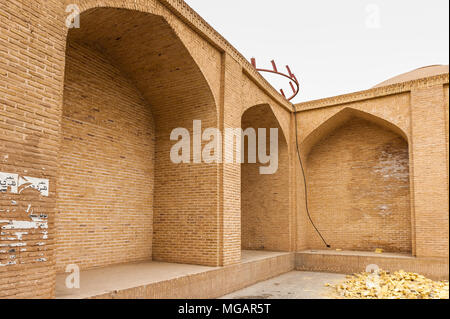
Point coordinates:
[[334, 46]]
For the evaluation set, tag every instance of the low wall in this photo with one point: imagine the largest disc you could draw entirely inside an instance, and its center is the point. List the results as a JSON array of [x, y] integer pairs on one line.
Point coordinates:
[[355, 262], [210, 284]]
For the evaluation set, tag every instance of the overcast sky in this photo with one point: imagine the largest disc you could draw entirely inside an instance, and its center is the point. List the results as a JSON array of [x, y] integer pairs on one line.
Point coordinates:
[[334, 47]]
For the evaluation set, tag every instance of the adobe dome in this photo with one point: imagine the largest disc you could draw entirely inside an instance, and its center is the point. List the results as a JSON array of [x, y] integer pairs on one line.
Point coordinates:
[[416, 74]]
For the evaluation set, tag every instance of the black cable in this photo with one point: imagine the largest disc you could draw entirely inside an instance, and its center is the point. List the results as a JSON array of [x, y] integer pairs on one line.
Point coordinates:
[[304, 178]]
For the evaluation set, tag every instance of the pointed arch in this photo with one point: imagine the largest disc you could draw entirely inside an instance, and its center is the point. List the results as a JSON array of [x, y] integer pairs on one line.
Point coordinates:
[[339, 119], [265, 222], [129, 81], [357, 168]]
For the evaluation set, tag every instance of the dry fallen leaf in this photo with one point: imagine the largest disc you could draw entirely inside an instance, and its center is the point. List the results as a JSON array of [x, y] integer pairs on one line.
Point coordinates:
[[399, 285]]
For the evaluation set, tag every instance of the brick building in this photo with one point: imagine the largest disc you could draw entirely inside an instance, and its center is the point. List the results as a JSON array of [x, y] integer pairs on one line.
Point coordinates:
[[86, 178]]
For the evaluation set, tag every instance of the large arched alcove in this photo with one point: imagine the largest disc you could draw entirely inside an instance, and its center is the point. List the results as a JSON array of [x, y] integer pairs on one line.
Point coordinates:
[[358, 184], [265, 223], [129, 81]]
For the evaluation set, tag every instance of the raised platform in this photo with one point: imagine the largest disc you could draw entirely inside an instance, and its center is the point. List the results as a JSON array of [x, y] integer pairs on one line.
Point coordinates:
[[157, 280], [349, 262]]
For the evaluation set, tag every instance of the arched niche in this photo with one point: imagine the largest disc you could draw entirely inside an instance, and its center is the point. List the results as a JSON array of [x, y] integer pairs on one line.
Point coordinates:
[[357, 168], [129, 81], [265, 223]]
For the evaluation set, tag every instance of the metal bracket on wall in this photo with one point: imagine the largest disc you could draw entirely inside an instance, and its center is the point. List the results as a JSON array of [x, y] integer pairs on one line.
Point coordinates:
[[293, 82]]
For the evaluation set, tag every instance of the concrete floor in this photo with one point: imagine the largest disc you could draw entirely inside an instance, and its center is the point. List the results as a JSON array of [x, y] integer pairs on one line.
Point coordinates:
[[292, 285]]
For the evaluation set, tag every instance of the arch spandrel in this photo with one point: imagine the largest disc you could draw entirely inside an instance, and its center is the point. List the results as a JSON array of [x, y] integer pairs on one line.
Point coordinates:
[[390, 112]]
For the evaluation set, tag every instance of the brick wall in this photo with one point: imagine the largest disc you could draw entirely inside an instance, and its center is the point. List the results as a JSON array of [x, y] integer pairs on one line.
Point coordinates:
[[182, 70], [31, 75], [184, 201], [358, 186], [265, 198], [105, 183], [416, 110], [429, 145], [230, 173]]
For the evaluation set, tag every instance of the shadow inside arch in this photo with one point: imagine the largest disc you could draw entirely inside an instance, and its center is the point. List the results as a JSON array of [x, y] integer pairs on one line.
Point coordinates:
[[267, 116], [265, 221], [129, 81]]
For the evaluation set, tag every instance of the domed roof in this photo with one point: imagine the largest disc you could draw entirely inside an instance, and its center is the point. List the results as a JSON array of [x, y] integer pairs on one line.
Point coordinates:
[[416, 74]]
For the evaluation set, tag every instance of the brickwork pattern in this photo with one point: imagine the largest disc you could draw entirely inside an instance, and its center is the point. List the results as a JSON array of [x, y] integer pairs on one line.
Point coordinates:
[[344, 263], [174, 62], [430, 171], [106, 166], [265, 198], [210, 284], [358, 183], [185, 211], [31, 77]]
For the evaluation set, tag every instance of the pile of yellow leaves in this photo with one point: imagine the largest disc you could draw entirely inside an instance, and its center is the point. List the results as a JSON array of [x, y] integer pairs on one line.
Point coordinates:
[[384, 285]]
